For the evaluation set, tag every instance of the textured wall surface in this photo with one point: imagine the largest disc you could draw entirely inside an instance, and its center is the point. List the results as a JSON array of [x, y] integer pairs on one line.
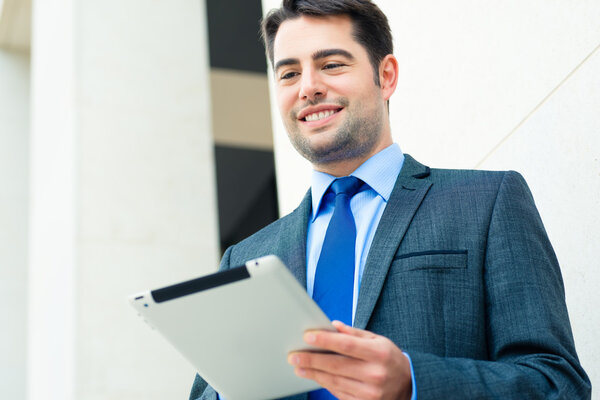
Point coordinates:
[[14, 175], [123, 194]]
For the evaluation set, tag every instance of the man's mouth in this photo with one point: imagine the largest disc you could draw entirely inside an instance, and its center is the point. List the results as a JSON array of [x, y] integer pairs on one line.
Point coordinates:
[[317, 116]]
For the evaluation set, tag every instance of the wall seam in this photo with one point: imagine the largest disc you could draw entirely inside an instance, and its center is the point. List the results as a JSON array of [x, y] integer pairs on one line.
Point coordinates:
[[537, 107]]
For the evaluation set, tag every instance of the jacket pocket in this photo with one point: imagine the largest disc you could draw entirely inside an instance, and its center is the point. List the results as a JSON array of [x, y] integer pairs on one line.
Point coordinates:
[[430, 260]]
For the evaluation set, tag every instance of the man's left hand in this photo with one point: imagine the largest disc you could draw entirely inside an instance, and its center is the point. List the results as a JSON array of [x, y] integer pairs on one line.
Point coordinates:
[[362, 365]]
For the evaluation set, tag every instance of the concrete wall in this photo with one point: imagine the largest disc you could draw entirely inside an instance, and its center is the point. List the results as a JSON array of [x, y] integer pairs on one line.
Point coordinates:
[[501, 85], [558, 151], [123, 193], [14, 175]]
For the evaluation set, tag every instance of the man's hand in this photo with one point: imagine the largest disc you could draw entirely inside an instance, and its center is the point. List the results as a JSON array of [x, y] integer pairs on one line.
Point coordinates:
[[364, 366]]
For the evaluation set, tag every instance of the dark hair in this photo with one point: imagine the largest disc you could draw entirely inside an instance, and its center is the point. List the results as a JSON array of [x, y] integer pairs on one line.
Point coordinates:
[[371, 28]]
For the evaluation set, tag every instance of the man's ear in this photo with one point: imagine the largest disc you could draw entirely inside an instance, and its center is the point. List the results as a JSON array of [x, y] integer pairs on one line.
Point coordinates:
[[388, 76]]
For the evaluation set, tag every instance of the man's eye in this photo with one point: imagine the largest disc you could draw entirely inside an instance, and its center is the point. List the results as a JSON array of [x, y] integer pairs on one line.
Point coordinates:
[[332, 66], [289, 75]]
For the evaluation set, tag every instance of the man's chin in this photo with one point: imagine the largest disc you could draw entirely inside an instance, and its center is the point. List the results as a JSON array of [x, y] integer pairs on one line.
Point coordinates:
[[327, 154], [327, 146]]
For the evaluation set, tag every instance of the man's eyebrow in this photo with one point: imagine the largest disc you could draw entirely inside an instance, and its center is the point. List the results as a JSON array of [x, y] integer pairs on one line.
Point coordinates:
[[316, 56], [332, 52], [286, 61]]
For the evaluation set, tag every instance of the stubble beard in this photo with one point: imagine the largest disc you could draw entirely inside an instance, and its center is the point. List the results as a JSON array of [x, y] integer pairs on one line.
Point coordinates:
[[354, 139]]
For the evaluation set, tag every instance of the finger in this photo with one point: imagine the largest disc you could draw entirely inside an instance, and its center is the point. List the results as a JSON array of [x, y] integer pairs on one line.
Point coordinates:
[[331, 363], [335, 364], [343, 328], [345, 396], [340, 386], [345, 344]]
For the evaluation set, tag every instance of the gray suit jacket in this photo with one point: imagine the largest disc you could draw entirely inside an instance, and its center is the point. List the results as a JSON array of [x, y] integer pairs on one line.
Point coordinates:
[[460, 275]]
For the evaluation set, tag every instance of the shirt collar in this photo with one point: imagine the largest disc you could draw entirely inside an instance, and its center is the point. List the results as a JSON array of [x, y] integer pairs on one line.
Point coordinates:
[[379, 172]]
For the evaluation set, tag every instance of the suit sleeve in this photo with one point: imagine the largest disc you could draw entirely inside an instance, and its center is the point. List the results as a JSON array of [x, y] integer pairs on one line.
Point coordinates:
[[531, 353], [200, 389]]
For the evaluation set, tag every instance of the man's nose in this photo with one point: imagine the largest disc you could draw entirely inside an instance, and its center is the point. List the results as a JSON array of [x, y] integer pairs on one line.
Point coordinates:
[[311, 86]]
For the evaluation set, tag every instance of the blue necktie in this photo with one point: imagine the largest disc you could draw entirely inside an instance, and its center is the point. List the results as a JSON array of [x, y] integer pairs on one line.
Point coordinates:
[[334, 278]]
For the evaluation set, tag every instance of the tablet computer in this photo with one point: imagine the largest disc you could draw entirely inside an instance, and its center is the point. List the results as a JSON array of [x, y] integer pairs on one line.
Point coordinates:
[[237, 327]]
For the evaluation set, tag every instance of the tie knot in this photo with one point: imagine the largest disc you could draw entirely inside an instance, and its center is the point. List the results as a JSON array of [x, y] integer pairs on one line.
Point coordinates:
[[348, 185]]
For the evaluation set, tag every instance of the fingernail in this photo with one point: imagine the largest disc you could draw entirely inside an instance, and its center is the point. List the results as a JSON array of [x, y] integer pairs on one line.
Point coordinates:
[[294, 359], [301, 371], [310, 338]]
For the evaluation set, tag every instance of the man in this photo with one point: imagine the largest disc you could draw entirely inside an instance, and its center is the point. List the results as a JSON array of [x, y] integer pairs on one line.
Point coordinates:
[[454, 289]]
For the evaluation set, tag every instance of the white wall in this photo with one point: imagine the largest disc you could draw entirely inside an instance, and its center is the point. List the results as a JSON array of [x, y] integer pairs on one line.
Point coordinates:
[[52, 301], [14, 175], [558, 150], [123, 193], [509, 85]]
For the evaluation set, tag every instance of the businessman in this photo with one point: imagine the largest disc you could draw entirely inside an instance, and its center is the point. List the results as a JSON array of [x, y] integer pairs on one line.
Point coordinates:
[[443, 283]]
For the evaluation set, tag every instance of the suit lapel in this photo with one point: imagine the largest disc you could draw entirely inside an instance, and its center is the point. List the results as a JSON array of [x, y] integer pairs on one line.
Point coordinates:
[[407, 195], [291, 247]]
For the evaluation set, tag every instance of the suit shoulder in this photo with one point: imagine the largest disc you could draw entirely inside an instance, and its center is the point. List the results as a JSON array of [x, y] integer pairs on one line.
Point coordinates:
[[276, 235], [472, 177], [457, 177], [264, 233], [478, 184]]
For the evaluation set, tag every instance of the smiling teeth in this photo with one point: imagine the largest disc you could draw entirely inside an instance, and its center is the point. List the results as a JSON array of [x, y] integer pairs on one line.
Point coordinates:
[[319, 115]]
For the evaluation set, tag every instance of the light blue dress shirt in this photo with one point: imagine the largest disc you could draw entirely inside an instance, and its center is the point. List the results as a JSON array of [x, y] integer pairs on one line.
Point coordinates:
[[379, 173]]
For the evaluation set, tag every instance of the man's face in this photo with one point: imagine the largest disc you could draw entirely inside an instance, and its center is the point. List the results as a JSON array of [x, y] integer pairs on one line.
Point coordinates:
[[327, 96]]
